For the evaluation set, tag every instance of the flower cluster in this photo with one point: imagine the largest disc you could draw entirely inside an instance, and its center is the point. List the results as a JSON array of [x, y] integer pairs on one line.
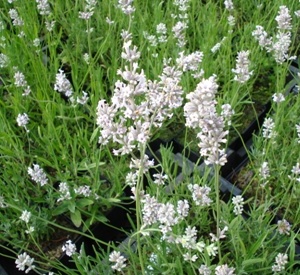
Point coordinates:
[[280, 261], [218, 45], [138, 104], [278, 97], [126, 6], [109, 21], [69, 248], [161, 31], [64, 192], [22, 121], [166, 215], [2, 202], [150, 207], [16, 20], [131, 179], [23, 261], [204, 270], [162, 213], [295, 172], [200, 194], [49, 25], [151, 39], [43, 7], [160, 179], [63, 85], [229, 5], [20, 81], [88, 10], [278, 45], [220, 234], [238, 202], [82, 100], [191, 62], [189, 238], [188, 241], [29, 230], [182, 209], [242, 73], [26, 215], [83, 190], [268, 128], [262, 37], [224, 270], [227, 113], [145, 164], [283, 19], [36, 43], [231, 21], [178, 31], [118, 260], [200, 112], [37, 174], [86, 58], [3, 60], [283, 227], [180, 26], [264, 173], [160, 37]]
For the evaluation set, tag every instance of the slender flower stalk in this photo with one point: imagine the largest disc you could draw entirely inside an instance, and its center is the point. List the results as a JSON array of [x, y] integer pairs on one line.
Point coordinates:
[[218, 206], [200, 112]]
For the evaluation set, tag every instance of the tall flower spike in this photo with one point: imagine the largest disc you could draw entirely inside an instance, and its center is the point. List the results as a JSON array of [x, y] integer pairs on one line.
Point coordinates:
[[242, 73], [63, 85], [268, 128], [284, 19], [238, 202], [200, 112]]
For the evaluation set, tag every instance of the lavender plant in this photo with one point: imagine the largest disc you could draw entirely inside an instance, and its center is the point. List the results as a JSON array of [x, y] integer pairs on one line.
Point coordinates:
[[86, 86]]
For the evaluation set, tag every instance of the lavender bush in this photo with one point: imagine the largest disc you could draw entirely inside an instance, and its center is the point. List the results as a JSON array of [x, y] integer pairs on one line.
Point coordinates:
[[85, 87]]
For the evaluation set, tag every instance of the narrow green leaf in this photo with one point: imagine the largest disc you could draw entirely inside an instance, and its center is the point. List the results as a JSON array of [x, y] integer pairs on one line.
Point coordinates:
[[253, 261], [86, 167], [94, 135]]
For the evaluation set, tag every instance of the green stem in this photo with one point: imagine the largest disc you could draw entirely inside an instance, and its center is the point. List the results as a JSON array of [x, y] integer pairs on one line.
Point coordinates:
[[218, 210], [139, 188]]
